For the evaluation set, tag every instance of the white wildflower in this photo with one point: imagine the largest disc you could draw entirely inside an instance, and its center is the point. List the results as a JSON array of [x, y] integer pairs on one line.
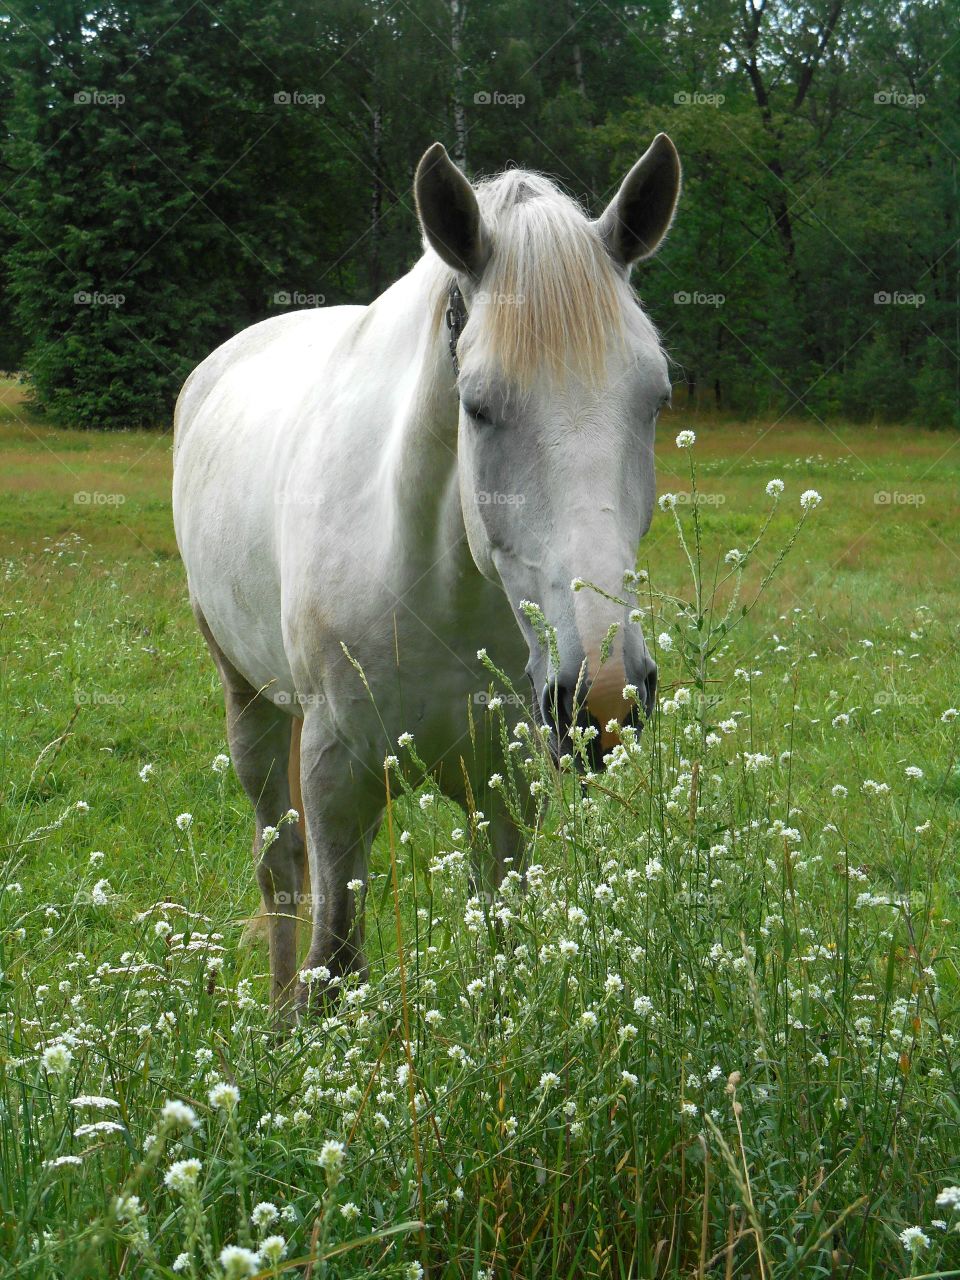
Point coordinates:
[[331, 1158], [223, 1096], [914, 1239], [182, 1176], [754, 761], [272, 1249], [96, 1127], [264, 1214], [100, 893], [62, 1162], [56, 1059], [238, 1262], [94, 1101], [177, 1114]]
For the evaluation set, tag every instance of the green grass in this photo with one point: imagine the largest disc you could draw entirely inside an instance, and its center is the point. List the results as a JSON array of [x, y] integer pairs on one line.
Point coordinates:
[[730, 936]]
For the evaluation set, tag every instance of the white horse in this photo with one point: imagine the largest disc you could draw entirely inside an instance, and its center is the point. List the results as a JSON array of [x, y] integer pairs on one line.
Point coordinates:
[[382, 487]]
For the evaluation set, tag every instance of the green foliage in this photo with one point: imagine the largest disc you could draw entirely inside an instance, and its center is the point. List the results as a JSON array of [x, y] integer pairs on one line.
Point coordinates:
[[818, 141], [720, 1023]]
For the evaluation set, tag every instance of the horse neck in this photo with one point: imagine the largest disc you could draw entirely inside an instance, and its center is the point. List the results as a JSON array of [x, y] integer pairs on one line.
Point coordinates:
[[420, 452]]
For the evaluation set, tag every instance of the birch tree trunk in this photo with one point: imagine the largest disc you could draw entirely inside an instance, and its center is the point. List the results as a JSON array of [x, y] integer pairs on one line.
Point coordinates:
[[457, 15]]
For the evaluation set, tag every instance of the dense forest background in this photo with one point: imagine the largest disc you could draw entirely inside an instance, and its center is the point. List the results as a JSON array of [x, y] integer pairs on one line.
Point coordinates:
[[173, 170]]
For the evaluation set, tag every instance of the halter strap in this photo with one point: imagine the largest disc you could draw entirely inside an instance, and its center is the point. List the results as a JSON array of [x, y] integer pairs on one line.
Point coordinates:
[[456, 316]]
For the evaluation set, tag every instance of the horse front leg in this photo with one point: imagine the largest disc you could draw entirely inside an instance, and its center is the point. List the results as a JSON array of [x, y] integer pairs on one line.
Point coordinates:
[[343, 805], [260, 736], [260, 745]]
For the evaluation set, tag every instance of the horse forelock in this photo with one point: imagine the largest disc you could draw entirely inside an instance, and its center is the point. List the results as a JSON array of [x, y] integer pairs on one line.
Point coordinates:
[[554, 299]]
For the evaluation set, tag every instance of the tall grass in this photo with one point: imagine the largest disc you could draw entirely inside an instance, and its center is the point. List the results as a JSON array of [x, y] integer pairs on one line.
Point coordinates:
[[712, 1034]]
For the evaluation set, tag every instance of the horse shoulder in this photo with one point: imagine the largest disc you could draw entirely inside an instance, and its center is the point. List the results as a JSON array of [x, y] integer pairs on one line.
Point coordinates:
[[277, 342]]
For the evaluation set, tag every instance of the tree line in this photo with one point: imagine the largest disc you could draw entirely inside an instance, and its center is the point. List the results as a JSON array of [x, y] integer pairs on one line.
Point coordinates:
[[174, 171]]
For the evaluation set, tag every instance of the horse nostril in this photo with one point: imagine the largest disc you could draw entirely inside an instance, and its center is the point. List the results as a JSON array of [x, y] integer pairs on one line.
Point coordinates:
[[556, 707], [650, 689]]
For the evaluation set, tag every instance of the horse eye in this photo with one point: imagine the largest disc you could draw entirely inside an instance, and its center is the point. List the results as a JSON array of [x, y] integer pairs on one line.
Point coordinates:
[[479, 415]]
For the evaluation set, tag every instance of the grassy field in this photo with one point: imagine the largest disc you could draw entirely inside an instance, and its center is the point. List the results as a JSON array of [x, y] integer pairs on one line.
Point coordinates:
[[716, 1037]]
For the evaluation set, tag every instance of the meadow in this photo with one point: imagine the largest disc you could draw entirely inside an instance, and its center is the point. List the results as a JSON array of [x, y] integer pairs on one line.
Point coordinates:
[[716, 1035]]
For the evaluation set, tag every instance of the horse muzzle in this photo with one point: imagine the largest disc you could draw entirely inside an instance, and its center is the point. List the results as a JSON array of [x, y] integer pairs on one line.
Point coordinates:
[[571, 700]]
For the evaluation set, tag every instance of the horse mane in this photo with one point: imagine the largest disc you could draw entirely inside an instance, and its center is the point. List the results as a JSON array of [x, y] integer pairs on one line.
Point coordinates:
[[555, 297]]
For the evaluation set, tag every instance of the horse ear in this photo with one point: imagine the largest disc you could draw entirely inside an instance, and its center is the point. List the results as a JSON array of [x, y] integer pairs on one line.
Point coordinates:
[[639, 215], [449, 213]]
